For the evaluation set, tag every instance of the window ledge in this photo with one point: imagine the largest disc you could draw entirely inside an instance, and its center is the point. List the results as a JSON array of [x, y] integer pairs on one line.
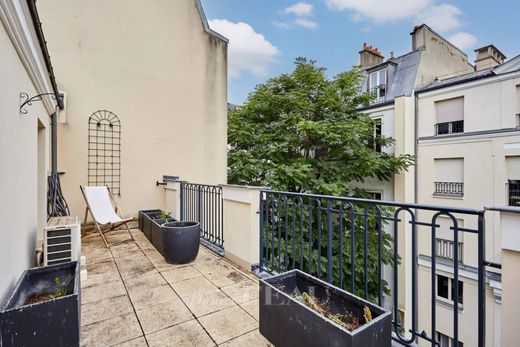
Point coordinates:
[[447, 196], [448, 304]]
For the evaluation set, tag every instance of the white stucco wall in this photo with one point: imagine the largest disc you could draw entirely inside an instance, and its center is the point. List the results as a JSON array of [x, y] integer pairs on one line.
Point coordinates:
[[24, 157], [160, 72]]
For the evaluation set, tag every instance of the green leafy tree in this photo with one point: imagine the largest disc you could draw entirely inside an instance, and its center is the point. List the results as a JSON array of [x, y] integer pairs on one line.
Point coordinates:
[[302, 132]]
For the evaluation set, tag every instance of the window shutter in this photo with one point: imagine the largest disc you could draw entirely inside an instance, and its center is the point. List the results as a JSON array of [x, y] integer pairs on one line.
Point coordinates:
[[449, 110], [513, 168], [449, 170]]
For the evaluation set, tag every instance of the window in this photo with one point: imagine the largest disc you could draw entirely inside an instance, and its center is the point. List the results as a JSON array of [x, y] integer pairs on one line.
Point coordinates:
[[446, 289], [375, 195], [449, 177], [449, 116], [378, 132], [377, 84], [445, 239], [104, 150], [513, 180], [446, 341]]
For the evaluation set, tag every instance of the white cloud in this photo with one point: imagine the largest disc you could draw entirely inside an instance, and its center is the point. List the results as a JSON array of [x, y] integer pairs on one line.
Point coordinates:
[[306, 23], [463, 40], [378, 10], [300, 9], [443, 17], [283, 25], [248, 50]]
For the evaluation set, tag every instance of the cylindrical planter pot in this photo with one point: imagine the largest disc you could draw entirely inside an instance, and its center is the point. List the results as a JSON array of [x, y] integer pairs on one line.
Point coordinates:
[[181, 241], [157, 234], [53, 322]]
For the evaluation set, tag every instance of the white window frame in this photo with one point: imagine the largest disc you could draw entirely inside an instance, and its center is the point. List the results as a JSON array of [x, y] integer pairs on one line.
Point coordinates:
[[449, 300], [376, 89]]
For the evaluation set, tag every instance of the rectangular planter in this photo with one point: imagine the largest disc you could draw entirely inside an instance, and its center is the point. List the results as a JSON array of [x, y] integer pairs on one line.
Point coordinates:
[[157, 234], [147, 217], [285, 321], [141, 215], [54, 322]]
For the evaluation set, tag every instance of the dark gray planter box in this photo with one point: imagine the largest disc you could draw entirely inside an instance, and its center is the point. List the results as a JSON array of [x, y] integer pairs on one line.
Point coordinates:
[[286, 322], [146, 220], [157, 233], [55, 322], [181, 241], [141, 216]]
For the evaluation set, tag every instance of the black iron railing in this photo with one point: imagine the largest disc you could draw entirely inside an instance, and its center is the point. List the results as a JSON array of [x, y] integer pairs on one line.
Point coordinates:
[[449, 188], [349, 242], [446, 250], [449, 127], [514, 192], [203, 203]]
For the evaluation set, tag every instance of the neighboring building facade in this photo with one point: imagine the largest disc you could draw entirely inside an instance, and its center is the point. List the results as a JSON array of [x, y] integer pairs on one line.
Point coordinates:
[[468, 155], [393, 83], [24, 140], [146, 96]]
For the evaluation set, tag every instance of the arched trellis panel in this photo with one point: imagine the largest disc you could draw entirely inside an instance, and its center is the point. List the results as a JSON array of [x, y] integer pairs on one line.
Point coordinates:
[[104, 150]]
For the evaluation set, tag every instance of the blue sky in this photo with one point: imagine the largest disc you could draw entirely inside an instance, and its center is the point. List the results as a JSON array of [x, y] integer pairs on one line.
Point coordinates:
[[267, 35]]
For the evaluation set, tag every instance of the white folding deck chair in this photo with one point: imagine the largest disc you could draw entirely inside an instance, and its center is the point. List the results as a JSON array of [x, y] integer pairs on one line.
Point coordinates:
[[99, 202]]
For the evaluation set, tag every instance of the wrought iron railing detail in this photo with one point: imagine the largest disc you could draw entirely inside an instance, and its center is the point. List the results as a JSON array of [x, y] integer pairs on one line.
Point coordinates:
[[449, 188], [347, 242], [449, 127], [514, 192], [446, 250], [203, 203]]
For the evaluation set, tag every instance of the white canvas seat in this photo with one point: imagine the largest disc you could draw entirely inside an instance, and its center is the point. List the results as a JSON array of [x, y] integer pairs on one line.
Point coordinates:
[[103, 209]]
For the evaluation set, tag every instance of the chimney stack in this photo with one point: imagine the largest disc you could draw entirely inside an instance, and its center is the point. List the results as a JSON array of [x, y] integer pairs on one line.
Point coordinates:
[[370, 56], [487, 57]]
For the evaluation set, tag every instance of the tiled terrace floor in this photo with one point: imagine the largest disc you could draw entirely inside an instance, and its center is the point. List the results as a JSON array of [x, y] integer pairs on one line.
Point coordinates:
[[133, 297]]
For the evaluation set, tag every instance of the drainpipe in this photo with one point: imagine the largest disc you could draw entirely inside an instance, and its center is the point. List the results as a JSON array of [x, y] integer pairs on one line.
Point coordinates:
[[54, 144], [416, 140]]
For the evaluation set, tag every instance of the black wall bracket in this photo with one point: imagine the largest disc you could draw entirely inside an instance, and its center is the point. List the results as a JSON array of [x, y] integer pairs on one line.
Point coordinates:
[[25, 101]]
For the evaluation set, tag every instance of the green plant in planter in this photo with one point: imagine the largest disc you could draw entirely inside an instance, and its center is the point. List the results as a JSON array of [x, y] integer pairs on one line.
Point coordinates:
[[165, 215]]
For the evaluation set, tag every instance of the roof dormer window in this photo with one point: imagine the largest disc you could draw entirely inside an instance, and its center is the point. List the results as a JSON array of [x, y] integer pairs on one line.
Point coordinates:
[[377, 84]]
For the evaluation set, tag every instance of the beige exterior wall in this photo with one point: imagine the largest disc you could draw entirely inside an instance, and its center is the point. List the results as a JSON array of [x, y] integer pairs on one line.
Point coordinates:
[[160, 71], [24, 144], [489, 137]]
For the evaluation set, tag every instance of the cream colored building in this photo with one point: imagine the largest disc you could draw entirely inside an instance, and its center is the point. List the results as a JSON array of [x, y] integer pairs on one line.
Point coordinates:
[[468, 155], [162, 72], [24, 140], [393, 82]]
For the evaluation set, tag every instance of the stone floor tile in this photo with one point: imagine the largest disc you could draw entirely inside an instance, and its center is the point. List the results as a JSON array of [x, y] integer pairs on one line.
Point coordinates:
[[150, 297], [228, 323], [252, 307], [251, 339], [100, 273], [131, 268], [139, 342], [204, 257], [162, 265], [125, 250], [102, 292], [193, 286], [181, 274], [208, 267], [208, 302], [96, 254], [163, 315], [242, 291], [148, 281], [115, 237], [111, 331], [188, 334], [226, 277], [105, 309]]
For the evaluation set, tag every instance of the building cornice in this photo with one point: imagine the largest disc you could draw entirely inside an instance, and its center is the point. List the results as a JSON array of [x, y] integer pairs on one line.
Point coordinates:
[[16, 18], [468, 136], [206, 25]]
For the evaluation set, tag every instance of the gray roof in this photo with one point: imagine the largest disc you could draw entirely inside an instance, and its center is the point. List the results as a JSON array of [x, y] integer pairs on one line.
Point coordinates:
[[511, 65], [402, 73]]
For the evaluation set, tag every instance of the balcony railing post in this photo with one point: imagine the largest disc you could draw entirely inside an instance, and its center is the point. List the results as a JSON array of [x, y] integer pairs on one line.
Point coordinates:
[[329, 241], [481, 282], [183, 203]]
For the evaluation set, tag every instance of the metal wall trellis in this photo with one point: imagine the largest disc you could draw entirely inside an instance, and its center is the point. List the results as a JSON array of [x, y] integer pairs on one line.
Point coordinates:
[[104, 150]]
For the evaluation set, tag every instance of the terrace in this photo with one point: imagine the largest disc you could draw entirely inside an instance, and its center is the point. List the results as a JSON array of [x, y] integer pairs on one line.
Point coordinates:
[[133, 297]]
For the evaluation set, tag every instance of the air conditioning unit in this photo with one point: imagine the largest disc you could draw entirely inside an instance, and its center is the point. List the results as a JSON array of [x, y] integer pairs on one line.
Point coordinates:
[[62, 240]]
